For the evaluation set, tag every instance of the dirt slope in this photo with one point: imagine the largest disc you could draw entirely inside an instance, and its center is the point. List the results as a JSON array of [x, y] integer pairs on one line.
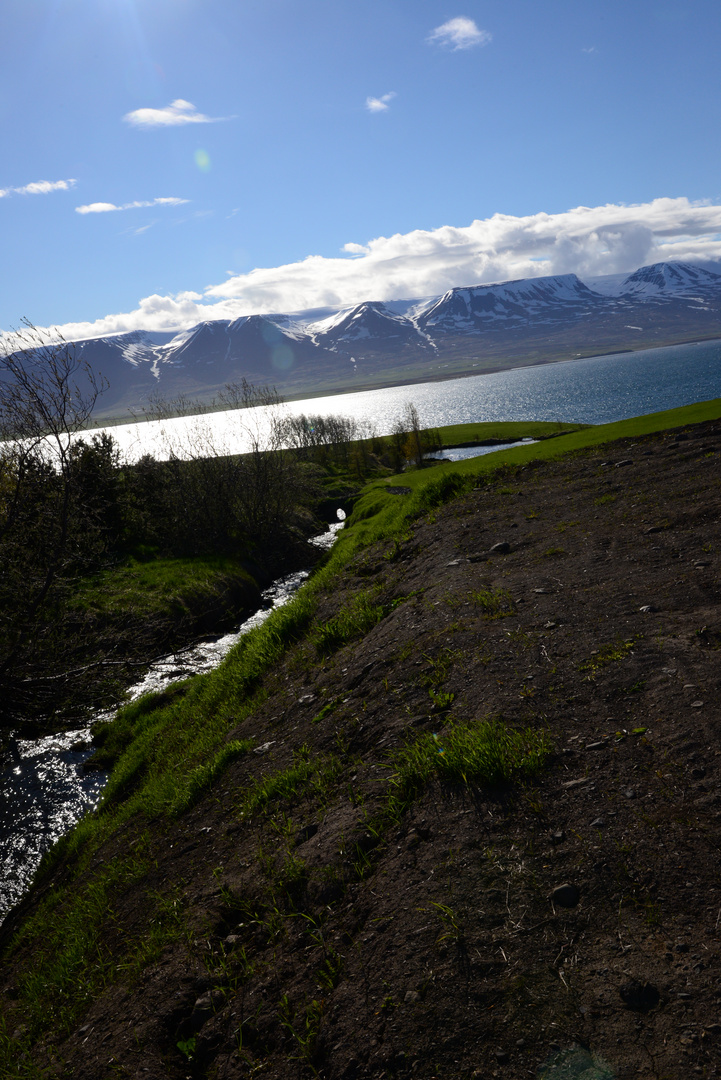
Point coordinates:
[[304, 943]]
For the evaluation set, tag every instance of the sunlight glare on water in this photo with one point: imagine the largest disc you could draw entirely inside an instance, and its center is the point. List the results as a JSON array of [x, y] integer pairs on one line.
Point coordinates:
[[598, 390]]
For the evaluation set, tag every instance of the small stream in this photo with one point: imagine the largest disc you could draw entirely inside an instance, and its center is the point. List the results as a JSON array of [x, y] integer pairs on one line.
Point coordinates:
[[462, 453], [44, 789]]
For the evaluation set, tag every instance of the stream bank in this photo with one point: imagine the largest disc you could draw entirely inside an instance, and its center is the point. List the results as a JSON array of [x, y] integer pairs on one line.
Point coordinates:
[[49, 783]]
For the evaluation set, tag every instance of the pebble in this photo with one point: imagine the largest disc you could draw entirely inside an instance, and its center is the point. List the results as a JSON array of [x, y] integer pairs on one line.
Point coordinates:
[[202, 1011], [629, 793], [558, 836], [502, 1057], [501, 548], [265, 747], [566, 895], [647, 609], [697, 704], [412, 997]]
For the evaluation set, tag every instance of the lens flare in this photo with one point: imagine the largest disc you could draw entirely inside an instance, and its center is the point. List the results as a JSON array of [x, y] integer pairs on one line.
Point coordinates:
[[282, 358], [202, 160]]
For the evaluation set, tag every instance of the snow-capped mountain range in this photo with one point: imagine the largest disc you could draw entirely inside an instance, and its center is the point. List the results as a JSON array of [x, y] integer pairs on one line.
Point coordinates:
[[465, 331]]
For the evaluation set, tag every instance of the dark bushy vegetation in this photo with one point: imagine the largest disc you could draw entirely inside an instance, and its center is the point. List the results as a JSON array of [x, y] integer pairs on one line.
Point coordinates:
[[72, 513]]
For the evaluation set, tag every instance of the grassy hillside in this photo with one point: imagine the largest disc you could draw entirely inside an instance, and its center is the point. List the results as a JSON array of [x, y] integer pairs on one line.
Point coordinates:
[[392, 834]]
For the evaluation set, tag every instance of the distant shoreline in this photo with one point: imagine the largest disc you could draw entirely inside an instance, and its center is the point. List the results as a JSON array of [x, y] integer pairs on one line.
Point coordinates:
[[110, 422]]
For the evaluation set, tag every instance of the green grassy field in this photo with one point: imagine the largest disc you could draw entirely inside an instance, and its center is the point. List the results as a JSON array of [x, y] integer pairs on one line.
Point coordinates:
[[506, 430], [159, 586]]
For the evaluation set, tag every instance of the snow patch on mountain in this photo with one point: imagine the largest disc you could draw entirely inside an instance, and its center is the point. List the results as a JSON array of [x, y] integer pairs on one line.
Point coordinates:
[[466, 310], [665, 279]]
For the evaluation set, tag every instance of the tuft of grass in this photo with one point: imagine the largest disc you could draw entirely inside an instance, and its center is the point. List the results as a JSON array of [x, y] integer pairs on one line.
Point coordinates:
[[451, 926], [494, 603], [327, 709], [202, 778], [469, 752], [306, 776], [442, 699], [354, 620], [608, 654]]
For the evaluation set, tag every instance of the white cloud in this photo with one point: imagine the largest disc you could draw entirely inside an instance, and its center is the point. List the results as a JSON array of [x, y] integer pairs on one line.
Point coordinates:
[[459, 33], [108, 207], [375, 105], [39, 187], [588, 241], [173, 115]]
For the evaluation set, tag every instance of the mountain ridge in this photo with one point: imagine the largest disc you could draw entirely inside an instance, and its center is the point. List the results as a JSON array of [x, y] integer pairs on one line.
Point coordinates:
[[467, 330]]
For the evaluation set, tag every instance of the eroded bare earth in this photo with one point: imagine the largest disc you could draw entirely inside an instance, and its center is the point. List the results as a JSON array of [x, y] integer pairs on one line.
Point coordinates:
[[436, 948]]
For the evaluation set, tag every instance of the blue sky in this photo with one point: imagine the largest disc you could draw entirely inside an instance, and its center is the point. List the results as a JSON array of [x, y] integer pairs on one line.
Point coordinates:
[[171, 160]]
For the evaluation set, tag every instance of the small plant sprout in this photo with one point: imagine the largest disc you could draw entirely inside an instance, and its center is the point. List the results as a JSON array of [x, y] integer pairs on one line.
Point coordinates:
[[452, 929]]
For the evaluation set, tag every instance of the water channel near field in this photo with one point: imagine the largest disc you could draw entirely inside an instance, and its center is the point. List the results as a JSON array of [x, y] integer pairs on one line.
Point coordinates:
[[44, 787]]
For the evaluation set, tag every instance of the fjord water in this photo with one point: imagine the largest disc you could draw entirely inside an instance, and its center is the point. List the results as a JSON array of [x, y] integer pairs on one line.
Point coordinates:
[[598, 390]]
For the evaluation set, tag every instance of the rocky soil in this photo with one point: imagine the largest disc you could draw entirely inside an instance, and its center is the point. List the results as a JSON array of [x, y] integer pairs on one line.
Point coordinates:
[[563, 926]]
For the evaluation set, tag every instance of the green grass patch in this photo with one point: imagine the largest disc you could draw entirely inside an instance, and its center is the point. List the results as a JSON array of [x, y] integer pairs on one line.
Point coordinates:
[[203, 778], [494, 603], [71, 962], [307, 776], [503, 431], [353, 621], [609, 654], [158, 586], [466, 752]]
